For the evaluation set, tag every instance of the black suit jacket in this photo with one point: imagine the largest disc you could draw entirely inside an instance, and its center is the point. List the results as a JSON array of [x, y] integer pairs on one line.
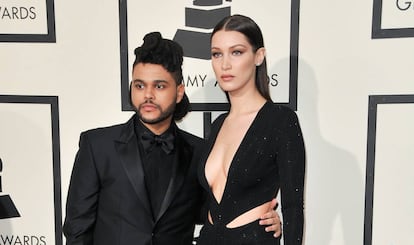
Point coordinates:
[[107, 201]]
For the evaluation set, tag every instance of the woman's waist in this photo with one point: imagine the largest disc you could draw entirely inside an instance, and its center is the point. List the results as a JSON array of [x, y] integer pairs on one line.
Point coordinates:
[[238, 215]]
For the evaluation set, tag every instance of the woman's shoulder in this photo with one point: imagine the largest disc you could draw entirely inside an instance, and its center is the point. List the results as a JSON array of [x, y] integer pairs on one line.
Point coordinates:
[[219, 119], [280, 110]]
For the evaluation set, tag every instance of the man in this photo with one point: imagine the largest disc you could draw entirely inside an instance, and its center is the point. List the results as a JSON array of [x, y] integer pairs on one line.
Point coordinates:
[[136, 183]]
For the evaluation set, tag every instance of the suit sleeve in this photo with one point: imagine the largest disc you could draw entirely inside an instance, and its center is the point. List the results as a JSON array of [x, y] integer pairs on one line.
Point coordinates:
[[198, 146], [291, 160], [82, 199]]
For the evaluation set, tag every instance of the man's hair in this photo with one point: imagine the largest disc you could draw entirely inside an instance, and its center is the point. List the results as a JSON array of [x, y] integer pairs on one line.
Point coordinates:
[[168, 54]]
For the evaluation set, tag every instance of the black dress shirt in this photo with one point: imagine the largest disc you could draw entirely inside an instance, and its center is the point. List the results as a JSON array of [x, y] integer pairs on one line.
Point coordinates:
[[157, 165]]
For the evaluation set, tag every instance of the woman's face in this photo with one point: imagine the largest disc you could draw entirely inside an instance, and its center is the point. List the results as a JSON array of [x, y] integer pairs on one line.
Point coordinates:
[[234, 62]]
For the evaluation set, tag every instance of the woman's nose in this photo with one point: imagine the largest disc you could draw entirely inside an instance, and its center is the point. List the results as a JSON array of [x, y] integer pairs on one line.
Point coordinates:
[[226, 64]]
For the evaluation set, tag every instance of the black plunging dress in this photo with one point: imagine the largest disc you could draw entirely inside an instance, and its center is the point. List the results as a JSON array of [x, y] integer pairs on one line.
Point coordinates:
[[270, 157]]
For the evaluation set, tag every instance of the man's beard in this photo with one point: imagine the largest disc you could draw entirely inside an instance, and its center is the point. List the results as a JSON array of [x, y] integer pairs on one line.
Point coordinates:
[[165, 114]]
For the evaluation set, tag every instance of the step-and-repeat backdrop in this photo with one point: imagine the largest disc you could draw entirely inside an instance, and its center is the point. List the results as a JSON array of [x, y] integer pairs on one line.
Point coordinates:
[[47, 98]]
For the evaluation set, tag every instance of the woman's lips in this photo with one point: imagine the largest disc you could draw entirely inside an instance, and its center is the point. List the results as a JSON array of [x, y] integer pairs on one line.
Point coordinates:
[[227, 77]]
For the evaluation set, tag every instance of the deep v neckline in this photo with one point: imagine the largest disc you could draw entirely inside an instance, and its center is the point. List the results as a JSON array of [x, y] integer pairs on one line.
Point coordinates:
[[236, 153]]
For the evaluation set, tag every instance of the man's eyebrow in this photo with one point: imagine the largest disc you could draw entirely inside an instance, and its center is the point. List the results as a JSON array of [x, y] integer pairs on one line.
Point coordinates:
[[153, 81]]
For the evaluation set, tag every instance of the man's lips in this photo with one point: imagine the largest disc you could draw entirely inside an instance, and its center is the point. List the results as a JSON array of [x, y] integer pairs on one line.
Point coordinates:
[[148, 107]]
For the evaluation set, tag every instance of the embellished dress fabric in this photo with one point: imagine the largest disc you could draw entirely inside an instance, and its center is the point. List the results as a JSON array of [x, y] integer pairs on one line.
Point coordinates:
[[271, 157]]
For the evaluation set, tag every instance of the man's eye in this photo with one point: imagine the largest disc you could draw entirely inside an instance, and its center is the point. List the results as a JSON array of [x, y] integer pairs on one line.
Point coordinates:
[[159, 86], [139, 86]]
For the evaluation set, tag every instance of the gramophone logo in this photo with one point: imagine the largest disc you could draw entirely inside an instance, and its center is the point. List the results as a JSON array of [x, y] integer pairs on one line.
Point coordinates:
[[191, 22], [7, 207], [199, 21]]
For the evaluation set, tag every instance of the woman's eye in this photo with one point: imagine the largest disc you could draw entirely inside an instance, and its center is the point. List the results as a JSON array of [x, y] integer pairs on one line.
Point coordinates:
[[237, 52], [215, 54]]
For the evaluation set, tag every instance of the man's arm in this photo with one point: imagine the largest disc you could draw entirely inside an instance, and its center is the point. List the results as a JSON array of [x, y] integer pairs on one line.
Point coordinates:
[[82, 200], [271, 220]]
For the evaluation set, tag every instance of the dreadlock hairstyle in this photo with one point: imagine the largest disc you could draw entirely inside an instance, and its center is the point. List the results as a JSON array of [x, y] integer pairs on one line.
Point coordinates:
[[169, 54]]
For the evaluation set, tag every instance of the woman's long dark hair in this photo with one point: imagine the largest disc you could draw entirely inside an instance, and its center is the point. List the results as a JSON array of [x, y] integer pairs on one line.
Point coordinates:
[[252, 32]]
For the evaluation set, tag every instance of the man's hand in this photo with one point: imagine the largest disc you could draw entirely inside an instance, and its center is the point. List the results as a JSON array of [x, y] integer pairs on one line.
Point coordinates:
[[271, 220]]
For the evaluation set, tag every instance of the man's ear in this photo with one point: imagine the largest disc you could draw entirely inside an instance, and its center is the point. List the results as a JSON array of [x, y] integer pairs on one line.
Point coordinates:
[[180, 93], [129, 95]]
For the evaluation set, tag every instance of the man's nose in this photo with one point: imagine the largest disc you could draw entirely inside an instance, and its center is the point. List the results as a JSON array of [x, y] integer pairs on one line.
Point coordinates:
[[149, 93]]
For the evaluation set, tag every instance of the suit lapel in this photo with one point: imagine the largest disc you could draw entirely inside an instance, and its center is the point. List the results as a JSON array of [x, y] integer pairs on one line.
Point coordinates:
[[127, 148], [181, 165]]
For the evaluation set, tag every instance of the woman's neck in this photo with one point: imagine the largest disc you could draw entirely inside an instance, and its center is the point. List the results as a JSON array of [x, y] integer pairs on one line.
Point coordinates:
[[246, 104]]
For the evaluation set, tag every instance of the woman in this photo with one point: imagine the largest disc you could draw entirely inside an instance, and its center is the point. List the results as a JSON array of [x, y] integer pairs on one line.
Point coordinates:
[[254, 150]]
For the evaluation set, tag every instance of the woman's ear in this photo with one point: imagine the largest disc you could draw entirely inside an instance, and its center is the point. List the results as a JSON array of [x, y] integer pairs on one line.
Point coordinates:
[[260, 55]]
